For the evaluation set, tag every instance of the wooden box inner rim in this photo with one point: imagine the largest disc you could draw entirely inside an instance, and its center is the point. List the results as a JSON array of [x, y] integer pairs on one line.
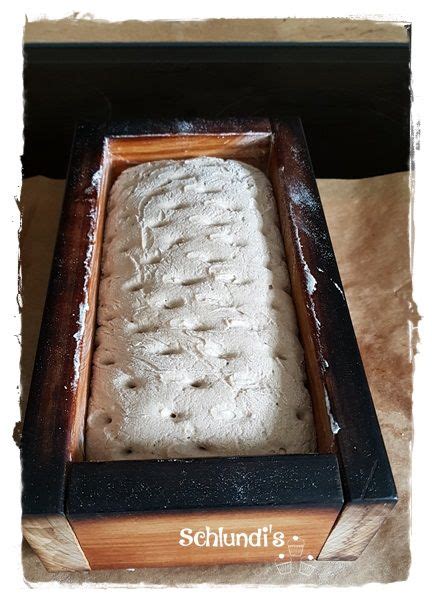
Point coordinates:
[[122, 152]]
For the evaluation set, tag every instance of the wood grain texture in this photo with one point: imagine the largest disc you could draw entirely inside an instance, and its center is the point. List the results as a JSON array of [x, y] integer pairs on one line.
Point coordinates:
[[53, 426], [54, 421], [355, 527], [52, 446], [153, 540], [249, 147], [334, 364], [281, 174], [54, 541]]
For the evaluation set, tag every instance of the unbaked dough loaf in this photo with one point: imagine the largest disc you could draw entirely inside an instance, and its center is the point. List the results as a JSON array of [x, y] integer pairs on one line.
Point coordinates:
[[197, 351]]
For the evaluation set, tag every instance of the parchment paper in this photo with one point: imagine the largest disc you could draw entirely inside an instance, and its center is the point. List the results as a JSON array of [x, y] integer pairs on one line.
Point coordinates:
[[368, 221], [79, 29]]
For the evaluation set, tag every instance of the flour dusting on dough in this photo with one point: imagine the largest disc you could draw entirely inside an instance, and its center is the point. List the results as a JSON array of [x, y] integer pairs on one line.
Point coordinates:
[[196, 349]]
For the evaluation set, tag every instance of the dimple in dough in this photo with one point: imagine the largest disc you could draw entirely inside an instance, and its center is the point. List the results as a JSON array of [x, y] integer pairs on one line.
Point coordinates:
[[196, 350]]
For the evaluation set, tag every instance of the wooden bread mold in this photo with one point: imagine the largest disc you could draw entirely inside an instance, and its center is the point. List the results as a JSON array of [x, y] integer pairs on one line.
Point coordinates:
[[80, 515]]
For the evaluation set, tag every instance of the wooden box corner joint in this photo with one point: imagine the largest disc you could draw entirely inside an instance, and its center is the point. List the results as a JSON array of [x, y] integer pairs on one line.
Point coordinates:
[[80, 515]]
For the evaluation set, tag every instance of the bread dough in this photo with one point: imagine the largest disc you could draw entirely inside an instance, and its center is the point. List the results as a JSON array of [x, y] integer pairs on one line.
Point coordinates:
[[196, 349]]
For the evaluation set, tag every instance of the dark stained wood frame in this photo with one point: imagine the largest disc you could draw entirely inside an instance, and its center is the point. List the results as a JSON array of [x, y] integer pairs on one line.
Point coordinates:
[[81, 515]]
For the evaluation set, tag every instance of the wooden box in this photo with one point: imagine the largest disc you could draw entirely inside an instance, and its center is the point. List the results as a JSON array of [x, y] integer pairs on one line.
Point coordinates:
[[80, 515]]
